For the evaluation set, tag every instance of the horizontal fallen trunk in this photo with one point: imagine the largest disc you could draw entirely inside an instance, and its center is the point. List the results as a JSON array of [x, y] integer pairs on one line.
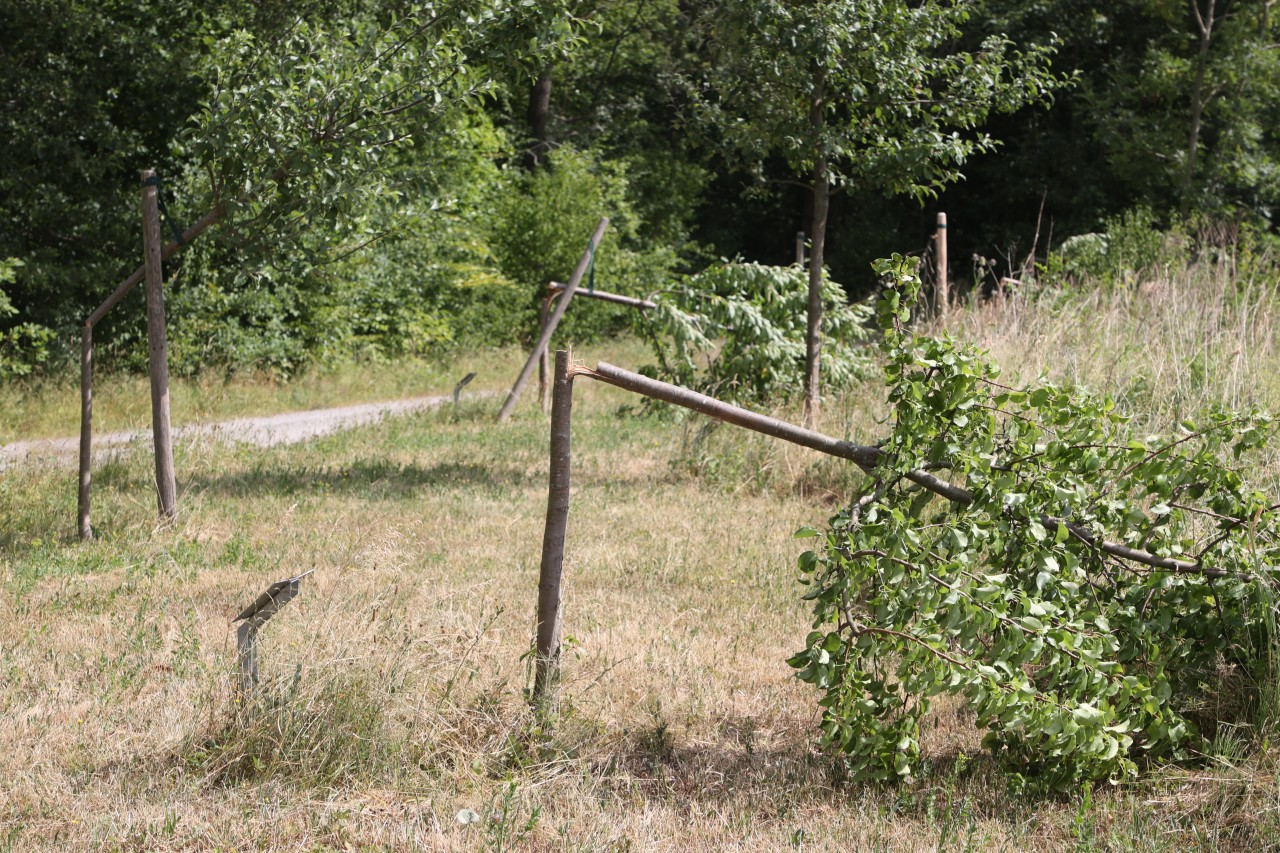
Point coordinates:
[[865, 456]]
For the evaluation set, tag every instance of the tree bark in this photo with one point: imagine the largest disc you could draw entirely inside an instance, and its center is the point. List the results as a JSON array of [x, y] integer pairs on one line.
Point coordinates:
[[817, 250], [547, 669], [158, 352], [86, 431], [539, 112], [1199, 100]]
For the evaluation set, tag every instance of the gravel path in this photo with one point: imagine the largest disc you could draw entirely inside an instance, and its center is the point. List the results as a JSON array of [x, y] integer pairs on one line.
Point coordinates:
[[288, 428]]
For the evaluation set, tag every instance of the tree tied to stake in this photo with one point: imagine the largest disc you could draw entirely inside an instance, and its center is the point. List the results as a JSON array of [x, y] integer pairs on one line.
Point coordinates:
[[1091, 593]]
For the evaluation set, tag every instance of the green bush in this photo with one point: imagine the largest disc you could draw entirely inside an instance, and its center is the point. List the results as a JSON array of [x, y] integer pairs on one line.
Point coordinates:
[[23, 346], [1129, 249], [1096, 597], [542, 222], [737, 330]]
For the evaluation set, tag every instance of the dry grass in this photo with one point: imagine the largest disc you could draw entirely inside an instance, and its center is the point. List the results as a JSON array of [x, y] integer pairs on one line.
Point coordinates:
[[393, 687]]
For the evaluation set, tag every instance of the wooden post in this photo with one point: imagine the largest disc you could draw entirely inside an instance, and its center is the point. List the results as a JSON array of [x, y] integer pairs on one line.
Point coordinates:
[[544, 360], [86, 429], [942, 289], [545, 338], [547, 672], [157, 351], [800, 249]]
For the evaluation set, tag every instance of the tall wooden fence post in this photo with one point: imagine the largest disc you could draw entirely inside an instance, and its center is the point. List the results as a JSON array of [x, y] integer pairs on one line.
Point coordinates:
[[157, 351], [547, 672], [942, 288], [545, 338], [86, 430]]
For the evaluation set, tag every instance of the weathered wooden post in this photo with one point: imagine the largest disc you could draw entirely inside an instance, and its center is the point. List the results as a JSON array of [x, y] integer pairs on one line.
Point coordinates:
[[86, 430], [942, 289], [255, 616], [547, 670], [157, 350], [800, 249], [554, 320]]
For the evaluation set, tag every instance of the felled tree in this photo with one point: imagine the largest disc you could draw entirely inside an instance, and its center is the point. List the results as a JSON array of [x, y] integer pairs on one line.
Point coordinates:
[[872, 93], [1084, 589]]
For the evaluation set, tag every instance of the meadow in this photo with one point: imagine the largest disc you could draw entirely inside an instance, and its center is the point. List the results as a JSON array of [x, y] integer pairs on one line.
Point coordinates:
[[393, 713]]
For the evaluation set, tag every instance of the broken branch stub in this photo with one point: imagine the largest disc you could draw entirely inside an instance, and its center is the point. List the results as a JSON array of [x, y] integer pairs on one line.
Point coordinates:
[[256, 615]]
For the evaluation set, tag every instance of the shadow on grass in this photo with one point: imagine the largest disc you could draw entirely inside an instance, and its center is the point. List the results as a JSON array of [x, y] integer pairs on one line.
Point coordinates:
[[369, 478]]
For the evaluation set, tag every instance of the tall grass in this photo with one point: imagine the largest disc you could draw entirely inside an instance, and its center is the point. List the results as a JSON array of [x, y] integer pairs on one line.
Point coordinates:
[[392, 713]]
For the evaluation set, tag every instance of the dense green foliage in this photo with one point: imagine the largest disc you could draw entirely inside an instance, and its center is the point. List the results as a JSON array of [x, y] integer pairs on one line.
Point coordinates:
[[736, 331], [394, 181], [1081, 659]]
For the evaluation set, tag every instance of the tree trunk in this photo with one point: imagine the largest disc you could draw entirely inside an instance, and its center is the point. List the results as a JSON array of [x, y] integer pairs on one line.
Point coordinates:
[[817, 250], [539, 110], [1199, 100], [547, 671], [158, 351]]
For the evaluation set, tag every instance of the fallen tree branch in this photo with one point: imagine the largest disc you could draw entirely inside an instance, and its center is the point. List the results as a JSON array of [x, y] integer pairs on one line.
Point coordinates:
[[864, 456]]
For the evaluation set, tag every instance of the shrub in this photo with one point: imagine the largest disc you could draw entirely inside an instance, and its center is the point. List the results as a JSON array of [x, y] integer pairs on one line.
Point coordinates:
[[541, 224], [738, 330], [1087, 592], [23, 346]]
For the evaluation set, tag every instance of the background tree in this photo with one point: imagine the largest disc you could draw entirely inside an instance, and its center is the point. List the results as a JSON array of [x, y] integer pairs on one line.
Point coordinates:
[[870, 94]]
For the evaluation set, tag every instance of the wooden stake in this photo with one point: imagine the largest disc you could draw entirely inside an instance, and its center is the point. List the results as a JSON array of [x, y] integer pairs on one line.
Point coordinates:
[[544, 360], [157, 351], [547, 672], [86, 430], [942, 289], [605, 296], [545, 338]]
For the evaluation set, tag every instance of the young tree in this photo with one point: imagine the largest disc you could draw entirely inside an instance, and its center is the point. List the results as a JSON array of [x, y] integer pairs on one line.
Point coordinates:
[[869, 93], [1189, 113]]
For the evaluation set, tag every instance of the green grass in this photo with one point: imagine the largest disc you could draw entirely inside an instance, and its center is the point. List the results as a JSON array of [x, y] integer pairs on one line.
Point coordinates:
[[393, 693]]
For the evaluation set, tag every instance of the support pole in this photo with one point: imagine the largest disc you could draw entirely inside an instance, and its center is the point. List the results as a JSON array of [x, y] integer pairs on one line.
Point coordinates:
[[544, 360], [545, 338], [157, 352], [547, 672], [86, 430], [942, 288]]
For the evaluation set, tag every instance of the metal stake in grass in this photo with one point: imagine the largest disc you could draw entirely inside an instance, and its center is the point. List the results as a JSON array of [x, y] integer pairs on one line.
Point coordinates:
[[457, 389], [547, 671], [255, 616]]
